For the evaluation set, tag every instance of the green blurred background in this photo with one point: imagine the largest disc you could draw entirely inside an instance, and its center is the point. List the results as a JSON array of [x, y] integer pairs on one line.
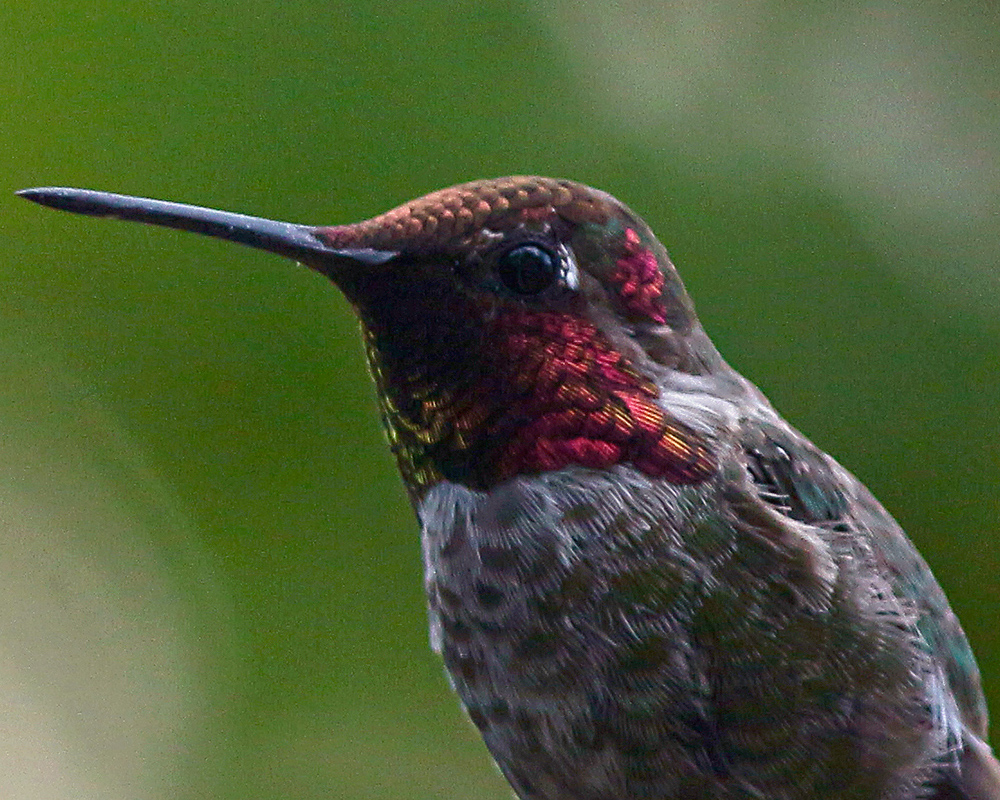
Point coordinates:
[[211, 578]]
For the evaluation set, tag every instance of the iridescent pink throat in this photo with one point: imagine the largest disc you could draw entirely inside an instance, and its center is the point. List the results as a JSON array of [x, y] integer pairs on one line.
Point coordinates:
[[578, 401]]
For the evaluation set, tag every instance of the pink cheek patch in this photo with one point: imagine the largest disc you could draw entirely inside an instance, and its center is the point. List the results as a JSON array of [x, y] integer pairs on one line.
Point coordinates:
[[639, 280], [579, 401]]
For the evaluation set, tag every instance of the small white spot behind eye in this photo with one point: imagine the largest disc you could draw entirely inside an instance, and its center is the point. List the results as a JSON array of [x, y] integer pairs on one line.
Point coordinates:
[[570, 271]]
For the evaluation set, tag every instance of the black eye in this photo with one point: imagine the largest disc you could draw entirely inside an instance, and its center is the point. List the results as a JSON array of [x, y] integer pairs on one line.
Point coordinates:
[[527, 269]]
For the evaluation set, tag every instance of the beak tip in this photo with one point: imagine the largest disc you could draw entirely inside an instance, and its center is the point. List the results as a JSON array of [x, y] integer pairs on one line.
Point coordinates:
[[35, 195], [78, 201]]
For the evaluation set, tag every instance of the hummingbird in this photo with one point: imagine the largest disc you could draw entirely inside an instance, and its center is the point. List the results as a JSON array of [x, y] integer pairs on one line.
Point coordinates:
[[643, 582]]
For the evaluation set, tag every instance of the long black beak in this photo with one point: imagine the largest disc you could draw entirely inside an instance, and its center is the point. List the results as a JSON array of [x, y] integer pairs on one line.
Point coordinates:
[[299, 242]]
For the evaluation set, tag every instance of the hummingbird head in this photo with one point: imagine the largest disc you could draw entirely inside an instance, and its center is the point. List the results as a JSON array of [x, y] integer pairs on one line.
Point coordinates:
[[519, 329], [513, 326]]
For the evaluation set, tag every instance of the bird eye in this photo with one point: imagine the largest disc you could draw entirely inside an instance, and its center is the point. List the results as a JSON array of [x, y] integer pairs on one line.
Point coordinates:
[[527, 269]]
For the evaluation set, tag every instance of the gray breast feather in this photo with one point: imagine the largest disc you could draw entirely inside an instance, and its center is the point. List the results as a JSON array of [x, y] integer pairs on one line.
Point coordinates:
[[615, 636]]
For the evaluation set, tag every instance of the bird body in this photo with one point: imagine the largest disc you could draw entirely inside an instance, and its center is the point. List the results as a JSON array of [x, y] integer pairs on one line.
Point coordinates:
[[643, 582]]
